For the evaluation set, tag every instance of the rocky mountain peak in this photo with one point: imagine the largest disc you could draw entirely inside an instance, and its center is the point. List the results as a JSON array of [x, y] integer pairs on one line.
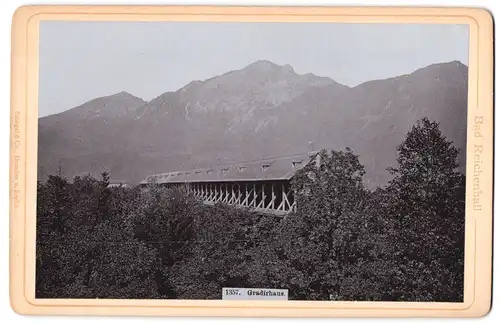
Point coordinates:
[[125, 95], [262, 66], [261, 110]]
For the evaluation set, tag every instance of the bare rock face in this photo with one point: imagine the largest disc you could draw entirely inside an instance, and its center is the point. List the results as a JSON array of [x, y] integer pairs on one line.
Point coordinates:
[[262, 110]]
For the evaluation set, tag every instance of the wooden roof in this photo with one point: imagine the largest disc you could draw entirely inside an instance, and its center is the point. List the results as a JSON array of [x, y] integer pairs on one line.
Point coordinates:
[[279, 168]]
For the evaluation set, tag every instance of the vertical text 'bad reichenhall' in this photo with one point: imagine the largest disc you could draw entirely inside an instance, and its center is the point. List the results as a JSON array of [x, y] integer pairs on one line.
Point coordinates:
[[478, 165]]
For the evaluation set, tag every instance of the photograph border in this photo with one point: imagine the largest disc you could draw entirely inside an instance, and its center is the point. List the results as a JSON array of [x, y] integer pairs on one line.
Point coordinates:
[[23, 161]]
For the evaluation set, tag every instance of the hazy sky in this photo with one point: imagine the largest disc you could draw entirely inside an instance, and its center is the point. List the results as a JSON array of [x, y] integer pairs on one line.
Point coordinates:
[[80, 61]]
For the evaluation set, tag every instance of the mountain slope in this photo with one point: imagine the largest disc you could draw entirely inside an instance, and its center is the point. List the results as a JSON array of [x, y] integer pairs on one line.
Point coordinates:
[[78, 139], [262, 110]]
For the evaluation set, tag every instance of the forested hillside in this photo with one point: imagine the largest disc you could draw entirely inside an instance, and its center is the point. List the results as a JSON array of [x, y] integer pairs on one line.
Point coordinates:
[[403, 241]]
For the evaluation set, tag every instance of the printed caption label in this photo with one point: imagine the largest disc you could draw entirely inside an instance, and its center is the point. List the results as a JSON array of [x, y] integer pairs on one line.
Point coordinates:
[[254, 294]]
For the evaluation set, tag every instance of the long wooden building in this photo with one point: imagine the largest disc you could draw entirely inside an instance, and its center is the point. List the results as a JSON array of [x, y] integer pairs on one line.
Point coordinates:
[[263, 185]]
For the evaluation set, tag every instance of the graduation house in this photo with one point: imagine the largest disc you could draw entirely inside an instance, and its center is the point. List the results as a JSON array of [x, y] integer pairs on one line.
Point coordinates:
[[263, 185]]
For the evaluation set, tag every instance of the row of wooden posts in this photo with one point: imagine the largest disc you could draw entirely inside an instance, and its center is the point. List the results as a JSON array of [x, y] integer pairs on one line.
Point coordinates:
[[275, 197]]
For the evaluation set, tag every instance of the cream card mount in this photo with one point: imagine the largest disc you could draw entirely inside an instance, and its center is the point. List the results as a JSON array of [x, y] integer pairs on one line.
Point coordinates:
[[251, 161]]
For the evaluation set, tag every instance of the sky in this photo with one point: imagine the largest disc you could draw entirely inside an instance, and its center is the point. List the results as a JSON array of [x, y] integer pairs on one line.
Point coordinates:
[[80, 61]]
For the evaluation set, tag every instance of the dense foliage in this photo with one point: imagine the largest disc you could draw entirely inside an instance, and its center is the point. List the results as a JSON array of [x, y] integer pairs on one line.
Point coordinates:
[[403, 242]]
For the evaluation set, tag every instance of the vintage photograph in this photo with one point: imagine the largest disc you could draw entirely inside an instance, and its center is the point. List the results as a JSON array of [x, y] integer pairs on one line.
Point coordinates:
[[224, 160]]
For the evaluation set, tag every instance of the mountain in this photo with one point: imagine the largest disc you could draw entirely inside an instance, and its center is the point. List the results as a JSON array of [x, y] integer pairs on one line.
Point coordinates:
[[262, 110], [84, 138]]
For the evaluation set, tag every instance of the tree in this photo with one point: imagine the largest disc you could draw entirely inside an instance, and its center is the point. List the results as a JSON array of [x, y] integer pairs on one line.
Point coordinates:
[[427, 202], [104, 194], [55, 204], [105, 179], [85, 243], [218, 256], [314, 245]]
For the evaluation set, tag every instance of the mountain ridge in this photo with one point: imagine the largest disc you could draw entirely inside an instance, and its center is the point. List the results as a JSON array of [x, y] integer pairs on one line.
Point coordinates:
[[456, 62], [266, 108]]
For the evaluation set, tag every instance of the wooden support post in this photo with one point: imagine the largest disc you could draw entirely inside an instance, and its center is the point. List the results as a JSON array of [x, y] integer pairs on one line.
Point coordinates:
[[282, 205], [286, 206], [263, 200], [273, 196], [246, 201], [263, 195], [233, 193], [254, 202], [221, 198], [271, 203]]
